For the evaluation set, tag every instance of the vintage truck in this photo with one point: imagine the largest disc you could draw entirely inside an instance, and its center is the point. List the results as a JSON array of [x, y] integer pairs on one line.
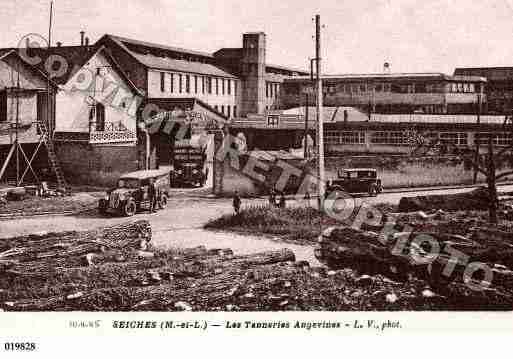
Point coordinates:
[[189, 166], [131, 193]]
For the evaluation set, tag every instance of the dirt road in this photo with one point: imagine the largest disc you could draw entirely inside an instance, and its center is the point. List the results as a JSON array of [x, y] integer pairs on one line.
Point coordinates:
[[180, 225]]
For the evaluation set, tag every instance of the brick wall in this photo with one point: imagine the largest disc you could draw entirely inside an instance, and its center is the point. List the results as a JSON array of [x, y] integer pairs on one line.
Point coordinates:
[[96, 165]]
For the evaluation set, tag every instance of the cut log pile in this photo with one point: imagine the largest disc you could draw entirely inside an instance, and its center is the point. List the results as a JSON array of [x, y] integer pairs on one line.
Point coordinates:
[[477, 199], [117, 269], [429, 256]]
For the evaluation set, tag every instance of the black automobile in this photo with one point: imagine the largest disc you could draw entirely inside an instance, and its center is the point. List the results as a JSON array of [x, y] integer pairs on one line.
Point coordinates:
[[356, 180]]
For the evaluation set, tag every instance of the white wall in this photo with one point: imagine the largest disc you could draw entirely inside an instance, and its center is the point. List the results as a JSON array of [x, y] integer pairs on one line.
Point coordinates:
[[154, 89], [74, 100]]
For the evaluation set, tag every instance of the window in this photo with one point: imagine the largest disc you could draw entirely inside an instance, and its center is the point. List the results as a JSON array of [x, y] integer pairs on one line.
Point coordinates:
[[209, 84], [228, 111], [222, 86], [421, 88], [345, 137], [162, 81], [217, 86], [266, 90], [100, 117], [229, 87], [216, 108], [273, 121], [234, 111], [378, 87], [235, 85], [3, 106], [222, 109], [195, 84], [187, 83], [390, 138], [454, 138], [499, 139], [180, 83], [270, 90]]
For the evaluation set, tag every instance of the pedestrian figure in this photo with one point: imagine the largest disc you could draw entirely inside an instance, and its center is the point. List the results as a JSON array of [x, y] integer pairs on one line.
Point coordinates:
[[236, 202], [307, 198], [152, 196], [272, 198], [282, 200]]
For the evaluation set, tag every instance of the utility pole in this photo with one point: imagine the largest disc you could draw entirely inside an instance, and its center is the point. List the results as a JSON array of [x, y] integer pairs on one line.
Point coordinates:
[[477, 140], [306, 127], [320, 125]]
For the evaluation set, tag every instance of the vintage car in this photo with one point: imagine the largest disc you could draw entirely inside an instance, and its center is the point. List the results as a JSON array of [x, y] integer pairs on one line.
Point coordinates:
[[131, 192], [356, 180]]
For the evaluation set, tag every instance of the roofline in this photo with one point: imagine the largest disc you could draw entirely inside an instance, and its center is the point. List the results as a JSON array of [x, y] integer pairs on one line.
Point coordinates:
[[433, 75], [291, 69], [193, 72], [42, 73], [160, 46], [116, 66]]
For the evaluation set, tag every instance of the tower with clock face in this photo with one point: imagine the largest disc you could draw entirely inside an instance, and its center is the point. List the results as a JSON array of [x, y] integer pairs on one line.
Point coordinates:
[[253, 73]]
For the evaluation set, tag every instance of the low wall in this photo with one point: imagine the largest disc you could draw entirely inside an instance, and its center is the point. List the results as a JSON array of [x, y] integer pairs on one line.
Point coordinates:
[[83, 163]]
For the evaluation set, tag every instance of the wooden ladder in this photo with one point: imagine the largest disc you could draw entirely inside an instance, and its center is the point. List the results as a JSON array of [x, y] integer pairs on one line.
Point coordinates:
[[52, 157]]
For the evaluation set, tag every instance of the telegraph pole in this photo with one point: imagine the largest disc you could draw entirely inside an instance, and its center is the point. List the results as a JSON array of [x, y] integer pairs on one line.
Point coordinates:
[[306, 127], [320, 124]]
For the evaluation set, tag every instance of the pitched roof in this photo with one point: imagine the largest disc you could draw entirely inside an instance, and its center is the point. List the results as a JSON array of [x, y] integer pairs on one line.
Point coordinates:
[[4, 53], [128, 41], [161, 57], [166, 63]]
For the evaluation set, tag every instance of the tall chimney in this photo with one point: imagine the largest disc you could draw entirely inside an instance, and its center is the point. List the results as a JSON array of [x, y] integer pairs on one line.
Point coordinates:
[[82, 35], [87, 41]]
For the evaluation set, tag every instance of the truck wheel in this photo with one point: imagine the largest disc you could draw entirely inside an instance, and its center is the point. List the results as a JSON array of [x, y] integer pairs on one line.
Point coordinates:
[[163, 201], [130, 208]]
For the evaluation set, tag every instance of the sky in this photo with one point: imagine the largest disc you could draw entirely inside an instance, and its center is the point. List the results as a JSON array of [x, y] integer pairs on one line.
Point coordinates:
[[357, 36]]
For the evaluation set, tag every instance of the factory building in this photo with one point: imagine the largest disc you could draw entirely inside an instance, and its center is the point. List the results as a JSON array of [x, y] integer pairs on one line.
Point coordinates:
[[428, 93]]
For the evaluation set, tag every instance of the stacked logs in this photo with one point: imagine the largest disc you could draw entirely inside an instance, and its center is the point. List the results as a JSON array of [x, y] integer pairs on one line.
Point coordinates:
[[116, 268], [427, 256]]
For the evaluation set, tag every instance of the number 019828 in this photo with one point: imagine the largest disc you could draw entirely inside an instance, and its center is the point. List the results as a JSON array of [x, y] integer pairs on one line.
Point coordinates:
[[21, 346]]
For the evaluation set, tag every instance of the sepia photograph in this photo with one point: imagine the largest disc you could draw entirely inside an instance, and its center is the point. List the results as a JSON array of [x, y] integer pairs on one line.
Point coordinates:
[[269, 156]]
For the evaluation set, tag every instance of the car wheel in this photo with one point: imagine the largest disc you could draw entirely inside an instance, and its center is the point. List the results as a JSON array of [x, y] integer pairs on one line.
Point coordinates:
[[130, 208], [373, 191], [102, 208], [163, 201]]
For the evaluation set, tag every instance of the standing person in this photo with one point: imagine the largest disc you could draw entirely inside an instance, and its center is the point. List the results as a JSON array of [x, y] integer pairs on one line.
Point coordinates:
[[152, 196], [282, 200], [236, 202], [272, 198], [307, 198]]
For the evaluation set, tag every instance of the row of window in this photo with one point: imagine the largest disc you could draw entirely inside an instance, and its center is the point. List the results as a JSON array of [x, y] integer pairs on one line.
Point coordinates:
[[272, 89], [404, 138], [227, 110], [344, 137], [185, 83], [355, 88]]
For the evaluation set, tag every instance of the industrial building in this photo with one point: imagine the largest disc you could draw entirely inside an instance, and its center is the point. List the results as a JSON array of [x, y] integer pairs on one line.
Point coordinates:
[[103, 91]]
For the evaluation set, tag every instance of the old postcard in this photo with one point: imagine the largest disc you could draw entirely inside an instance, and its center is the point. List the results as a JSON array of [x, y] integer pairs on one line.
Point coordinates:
[[173, 167]]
